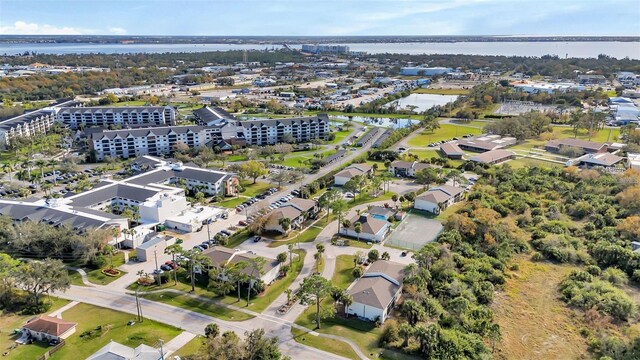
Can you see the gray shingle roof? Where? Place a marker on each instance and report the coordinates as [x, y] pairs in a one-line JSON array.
[[112, 191], [161, 130]]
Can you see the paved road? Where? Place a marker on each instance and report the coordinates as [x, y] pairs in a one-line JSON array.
[[191, 321]]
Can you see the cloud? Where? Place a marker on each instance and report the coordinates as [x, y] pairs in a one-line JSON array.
[[24, 28], [117, 31]]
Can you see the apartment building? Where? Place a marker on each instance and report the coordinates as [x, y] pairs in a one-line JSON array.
[[124, 116], [148, 141], [273, 131], [26, 125]]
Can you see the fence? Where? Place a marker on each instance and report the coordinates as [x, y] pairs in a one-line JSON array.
[[52, 350]]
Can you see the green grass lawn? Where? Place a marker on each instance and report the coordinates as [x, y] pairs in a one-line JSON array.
[[96, 276], [293, 160], [524, 162], [190, 348], [114, 327], [365, 334], [358, 243], [75, 278], [274, 290], [366, 198], [308, 235], [130, 103], [252, 190], [231, 202], [333, 346], [446, 132], [403, 116], [10, 321], [442, 91], [340, 136], [206, 307]]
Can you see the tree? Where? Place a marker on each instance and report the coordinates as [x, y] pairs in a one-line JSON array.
[[195, 260], [413, 312], [385, 256], [174, 250], [327, 199], [373, 255], [199, 197], [42, 277], [8, 266], [318, 287], [426, 176], [357, 272], [346, 301], [282, 257], [339, 208], [290, 248], [406, 331], [221, 278], [394, 197], [357, 227], [212, 330], [254, 169], [285, 223]]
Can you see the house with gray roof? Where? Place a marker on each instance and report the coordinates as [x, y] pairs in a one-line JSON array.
[[439, 198], [116, 351], [376, 292], [372, 228], [222, 256]]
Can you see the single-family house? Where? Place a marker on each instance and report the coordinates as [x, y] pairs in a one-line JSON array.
[[350, 172], [439, 198], [406, 168], [48, 328], [372, 228], [382, 212], [493, 157], [117, 351], [297, 210], [376, 292], [221, 255]]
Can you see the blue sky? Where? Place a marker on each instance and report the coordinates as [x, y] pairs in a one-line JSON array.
[[321, 17]]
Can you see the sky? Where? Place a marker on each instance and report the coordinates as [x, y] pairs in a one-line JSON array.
[[320, 17]]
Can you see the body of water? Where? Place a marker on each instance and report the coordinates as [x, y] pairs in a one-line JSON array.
[[577, 49], [423, 102], [379, 121]]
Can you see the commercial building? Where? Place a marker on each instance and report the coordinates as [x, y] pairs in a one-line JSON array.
[[439, 198], [493, 157], [486, 143], [350, 172], [325, 49], [273, 131], [211, 116], [451, 151], [376, 292], [587, 147], [424, 71], [604, 160], [124, 116]]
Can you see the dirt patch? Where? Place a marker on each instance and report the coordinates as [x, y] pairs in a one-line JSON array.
[[535, 324]]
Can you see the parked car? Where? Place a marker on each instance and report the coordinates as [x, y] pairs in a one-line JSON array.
[[226, 232], [257, 238]]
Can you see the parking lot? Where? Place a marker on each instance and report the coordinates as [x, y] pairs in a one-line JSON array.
[[414, 232]]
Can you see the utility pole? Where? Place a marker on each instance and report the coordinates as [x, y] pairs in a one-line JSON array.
[[161, 349], [155, 255], [208, 230], [139, 308]]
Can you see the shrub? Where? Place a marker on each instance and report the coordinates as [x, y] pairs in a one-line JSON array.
[[594, 270], [615, 276], [390, 333], [537, 257]]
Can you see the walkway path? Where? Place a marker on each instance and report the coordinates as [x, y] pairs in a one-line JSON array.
[[58, 313], [83, 275], [177, 342]]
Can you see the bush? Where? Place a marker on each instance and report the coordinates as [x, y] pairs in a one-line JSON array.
[[594, 270], [99, 262], [615, 276], [537, 257], [390, 333]]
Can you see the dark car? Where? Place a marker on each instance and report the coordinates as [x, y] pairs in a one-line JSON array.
[[166, 267], [204, 245], [226, 232], [257, 238]]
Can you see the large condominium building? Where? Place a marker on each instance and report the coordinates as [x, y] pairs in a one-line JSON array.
[[122, 115], [273, 131], [31, 123], [150, 141]]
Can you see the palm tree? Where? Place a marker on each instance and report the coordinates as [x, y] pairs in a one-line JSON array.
[[7, 168], [41, 164], [346, 301], [290, 248], [220, 278], [285, 223], [317, 256], [174, 250], [357, 227], [288, 292], [405, 330]]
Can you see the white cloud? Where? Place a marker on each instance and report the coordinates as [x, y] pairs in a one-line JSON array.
[[117, 31], [32, 28], [24, 28]]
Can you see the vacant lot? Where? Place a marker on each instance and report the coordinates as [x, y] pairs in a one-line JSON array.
[[534, 323], [414, 232]]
